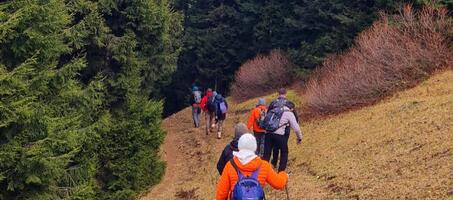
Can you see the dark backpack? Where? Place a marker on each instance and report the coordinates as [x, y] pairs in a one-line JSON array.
[[247, 187], [260, 120], [211, 105], [271, 121]]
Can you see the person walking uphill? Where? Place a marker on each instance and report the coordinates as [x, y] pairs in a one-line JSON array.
[[227, 152], [247, 167], [195, 101], [206, 106], [220, 112], [276, 151], [278, 118], [255, 119]]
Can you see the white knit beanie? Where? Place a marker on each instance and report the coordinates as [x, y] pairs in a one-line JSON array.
[[247, 148], [247, 142]]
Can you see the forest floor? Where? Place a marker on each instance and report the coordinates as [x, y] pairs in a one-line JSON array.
[[401, 147]]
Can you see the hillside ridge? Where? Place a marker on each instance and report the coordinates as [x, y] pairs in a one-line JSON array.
[[401, 147]]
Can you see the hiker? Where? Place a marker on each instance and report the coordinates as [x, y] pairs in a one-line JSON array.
[[255, 119], [221, 110], [275, 150], [195, 101], [278, 118], [227, 152], [246, 163], [208, 106]]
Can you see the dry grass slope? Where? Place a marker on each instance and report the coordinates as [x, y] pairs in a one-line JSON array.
[[399, 148]]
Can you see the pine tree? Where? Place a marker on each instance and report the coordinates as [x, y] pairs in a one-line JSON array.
[[43, 106], [221, 35], [77, 80]]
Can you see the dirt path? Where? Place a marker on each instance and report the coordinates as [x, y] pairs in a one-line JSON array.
[[169, 156], [185, 148], [172, 154], [191, 157]]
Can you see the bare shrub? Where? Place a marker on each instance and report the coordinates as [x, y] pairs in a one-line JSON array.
[[260, 75], [395, 53]]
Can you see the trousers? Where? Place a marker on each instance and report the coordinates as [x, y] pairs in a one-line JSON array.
[[280, 142]]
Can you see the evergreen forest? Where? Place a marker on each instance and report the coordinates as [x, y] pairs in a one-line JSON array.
[[84, 84]]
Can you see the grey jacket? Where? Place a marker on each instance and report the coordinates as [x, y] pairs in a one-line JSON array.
[[289, 119]]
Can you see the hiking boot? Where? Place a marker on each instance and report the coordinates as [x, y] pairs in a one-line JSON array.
[[219, 135]]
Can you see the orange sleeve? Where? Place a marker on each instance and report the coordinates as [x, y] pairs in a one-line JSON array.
[[223, 187], [251, 121], [277, 181]]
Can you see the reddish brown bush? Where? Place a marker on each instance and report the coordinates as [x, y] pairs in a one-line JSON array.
[[260, 75], [395, 53]]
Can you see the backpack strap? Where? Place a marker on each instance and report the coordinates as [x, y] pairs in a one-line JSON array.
[[240, 176], [256, 172], [285, 124]]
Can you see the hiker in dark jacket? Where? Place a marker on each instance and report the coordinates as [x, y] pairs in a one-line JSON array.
[[221, 110], [227, 153]]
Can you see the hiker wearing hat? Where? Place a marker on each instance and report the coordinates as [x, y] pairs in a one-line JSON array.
[[256, 117], [220, 113], [275, 128], [195, 101], [227, 152], [246, 163]]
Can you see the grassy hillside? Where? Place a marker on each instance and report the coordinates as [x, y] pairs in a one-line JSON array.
[[402, 147], [399, 148]]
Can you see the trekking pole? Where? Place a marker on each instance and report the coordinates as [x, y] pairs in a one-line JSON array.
[[286, 187], [287, 193]]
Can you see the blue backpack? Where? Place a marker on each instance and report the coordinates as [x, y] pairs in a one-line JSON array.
[[271, 121], [247, 188]]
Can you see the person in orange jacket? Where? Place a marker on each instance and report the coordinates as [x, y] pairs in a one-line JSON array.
[[247, 162], [253, 124]]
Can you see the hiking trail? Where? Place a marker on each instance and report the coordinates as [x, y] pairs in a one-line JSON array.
[[191, 159], [380, 151]]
